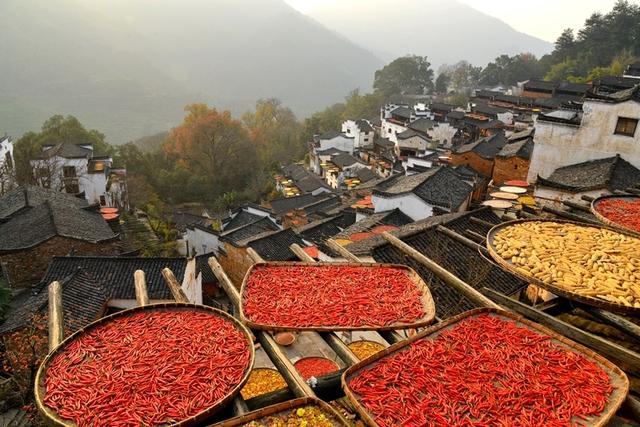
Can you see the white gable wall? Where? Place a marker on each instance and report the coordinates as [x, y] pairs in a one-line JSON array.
[[410, 204]]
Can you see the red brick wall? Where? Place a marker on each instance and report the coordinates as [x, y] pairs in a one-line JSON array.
[[481, 165], [511, 168], [27, 267], [235, 263]]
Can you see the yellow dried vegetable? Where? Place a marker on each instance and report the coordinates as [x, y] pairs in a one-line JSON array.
[[588, 261], [364, 349], [262, 381], [305, 416]]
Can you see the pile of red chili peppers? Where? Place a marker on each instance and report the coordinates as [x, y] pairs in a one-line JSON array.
[[315, 367], [329, 295], [621, 211], [148, 368], [483, 371]]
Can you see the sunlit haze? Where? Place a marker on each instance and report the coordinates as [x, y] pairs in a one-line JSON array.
[[543, 18]]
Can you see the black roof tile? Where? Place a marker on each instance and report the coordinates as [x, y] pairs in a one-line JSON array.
[[243, 232], [274, 246]]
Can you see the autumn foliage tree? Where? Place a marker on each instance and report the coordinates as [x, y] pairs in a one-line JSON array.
[[213, 154]]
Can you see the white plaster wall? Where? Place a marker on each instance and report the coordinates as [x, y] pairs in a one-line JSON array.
[[410, 204], [443, 133], [339, 142], [413, 143], [6, 146], [558, 145], [94, 185], [202, 241], [390, 130]]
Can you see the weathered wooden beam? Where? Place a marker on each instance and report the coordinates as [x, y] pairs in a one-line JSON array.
[[508, 217], [523, 214], [601, 345], [391, 336], [570, 216], [140, 283], [255, 256], [482, 222], [587, 198], [634, 191], [296, 383], [446, 276], [629, 328], [224, 281], [342, 251], [574, 205], [475, 236], [631, 406], [460, 238], [300, 253], [56, 315], [174, 286]]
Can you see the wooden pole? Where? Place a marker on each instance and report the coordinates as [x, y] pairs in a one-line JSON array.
[[578, 206], [342, 251], [140, 282], [481, 222], [633, 191], [475, 237], [472, 294], [296, 383], [460, 238], [601, 345], [587, 198], [573, 217], [174, 286], [255, 256], [56, 315], [300, 253], [614, 320]]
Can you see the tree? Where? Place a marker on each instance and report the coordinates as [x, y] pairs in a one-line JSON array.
[[442, 83], [275, 131], [563, 70], [565, 46], [407, 75], [508, 70], [213, 154], [464, 76]]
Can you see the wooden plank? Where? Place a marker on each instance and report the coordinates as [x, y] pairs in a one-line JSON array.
[[391, 336], [344, 253], [633, 191], [446, 276], [140, 282], [174, 286], [587, 198], [572, 217], [300, 253], [475, 236], [601, 345], [56, 315], [481, 222], [232, 292], [255, 256], [627, 327], [574, 205]]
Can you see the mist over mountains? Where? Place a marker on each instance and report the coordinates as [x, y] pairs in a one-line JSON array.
[[128, 67]]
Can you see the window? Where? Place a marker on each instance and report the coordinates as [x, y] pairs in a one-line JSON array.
[[626, 126], [366, 140], [71, 187], [69, 171], [103, 201]]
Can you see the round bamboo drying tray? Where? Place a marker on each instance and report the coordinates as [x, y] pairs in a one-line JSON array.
[[607, 221], [505, 264], [281, 407], [427, 300], [52, 418], [617, 377], [302, 359], [353, 345]]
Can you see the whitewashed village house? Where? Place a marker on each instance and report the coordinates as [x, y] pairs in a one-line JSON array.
[[7, 176], [361, 131], [76, 168]]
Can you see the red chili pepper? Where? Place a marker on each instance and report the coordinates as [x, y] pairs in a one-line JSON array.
[[315, 367], [482, 371], [621, 211], [331, 296], [147, 368]]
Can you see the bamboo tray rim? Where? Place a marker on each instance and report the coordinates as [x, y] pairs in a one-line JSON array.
[[609, 222], [426, 298], [53, 418], [617, 377], [551, 287], [280, 407]]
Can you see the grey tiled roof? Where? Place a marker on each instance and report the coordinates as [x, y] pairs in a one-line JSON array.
[[243, 232], [365, 175], [305, 180], [522, 148], [343, 160], [66, 150], [422, 124], [364, 126], [487, 147], [410, 133], [393, 217], [283, 205], [613, 173], [35, 225], [402, 111], [242, 218], [445, 189], [84, 300], [30, 195], [274, 246], [116, 274]]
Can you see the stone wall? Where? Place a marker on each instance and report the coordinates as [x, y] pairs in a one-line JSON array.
[[235, 263], [510, 169]]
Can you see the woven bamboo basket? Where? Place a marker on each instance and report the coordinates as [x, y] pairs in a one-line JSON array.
[[426, 299], [375, 343], [617, 377], [317, 358], [604, 219], [505, 264], [53, 419], [281, 407]]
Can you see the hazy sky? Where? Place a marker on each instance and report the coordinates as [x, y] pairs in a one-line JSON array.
[[541, 18]]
